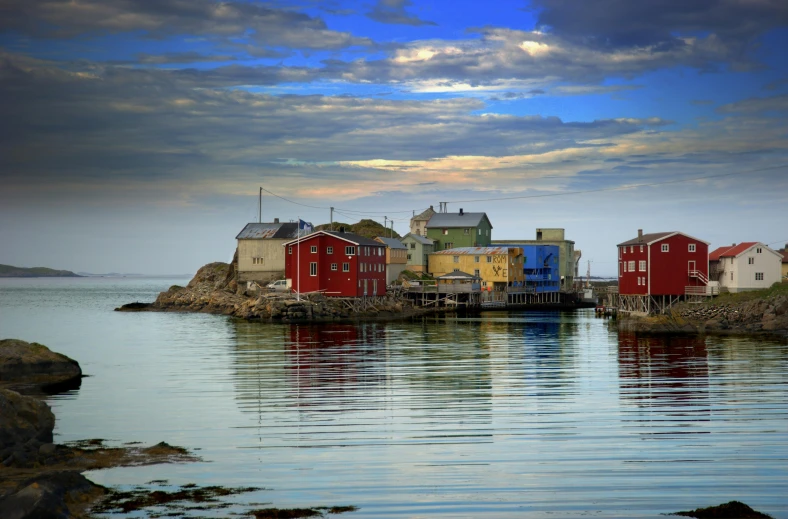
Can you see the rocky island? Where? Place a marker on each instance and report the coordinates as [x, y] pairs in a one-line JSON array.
[[214, 290], [9, 271]]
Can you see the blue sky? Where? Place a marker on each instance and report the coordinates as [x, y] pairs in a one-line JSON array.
[[135, 135]]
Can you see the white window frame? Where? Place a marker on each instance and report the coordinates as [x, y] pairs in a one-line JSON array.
[[290, 250], [625, 266], [632, 266], [350, 250], [642, 266], [691, 247], [313, 268], [334, 267], [751, 261], [665, 247], [313, 249], [456, 259], [346, 267], [757, 278], [329, 250]]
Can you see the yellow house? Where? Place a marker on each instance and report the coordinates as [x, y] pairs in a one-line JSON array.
[[498, 267]]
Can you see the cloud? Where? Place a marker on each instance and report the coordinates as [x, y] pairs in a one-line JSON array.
[[180, 57], [757, 106], [166, 18], [393, 11], [661, 24], [502, 56], [593, 89]]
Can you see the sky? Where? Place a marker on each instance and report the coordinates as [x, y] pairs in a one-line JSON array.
[[135, 135]]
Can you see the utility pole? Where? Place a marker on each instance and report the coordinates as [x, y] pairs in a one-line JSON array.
[[260, 207], [332, 218], [391, 235], [385, 224]]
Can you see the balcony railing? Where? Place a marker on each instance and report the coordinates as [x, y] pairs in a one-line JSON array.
[[697, 274], [702, 291]]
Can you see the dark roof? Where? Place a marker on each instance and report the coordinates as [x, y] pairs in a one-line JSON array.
[[457, 220], [348, 236], [425, 215], [421, 239], [392, 243], [648, 239], [268, 230]]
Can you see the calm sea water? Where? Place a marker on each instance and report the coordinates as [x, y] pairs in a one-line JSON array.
[[525, 415]]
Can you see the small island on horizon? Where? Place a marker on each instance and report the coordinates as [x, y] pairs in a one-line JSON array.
[[9, 271]]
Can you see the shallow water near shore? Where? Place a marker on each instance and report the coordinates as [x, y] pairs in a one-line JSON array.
[[502, 414]]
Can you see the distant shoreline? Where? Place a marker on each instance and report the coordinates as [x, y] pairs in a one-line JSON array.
[[9, 271]]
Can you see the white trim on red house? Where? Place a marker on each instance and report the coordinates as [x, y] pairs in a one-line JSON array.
[[324, 233], [674, 234]]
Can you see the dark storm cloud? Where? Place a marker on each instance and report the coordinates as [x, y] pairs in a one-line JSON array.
[[109, 122], [662, 23], [393, 11], [166, 18]]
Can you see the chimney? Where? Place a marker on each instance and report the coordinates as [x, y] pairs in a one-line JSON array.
[[640, 235], [342, 229], [431, 208], [461, 213], [276, 220], [733, 244]]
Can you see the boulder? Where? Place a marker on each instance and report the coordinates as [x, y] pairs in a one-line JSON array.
[[29, 365], [26, 424], [55, 495]]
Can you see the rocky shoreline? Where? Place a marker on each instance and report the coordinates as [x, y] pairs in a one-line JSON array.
[[741, 314], [214, 290]]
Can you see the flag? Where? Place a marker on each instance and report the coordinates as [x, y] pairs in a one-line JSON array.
[[304, 226]]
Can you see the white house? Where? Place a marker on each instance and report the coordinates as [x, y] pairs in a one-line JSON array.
[[746, 266]]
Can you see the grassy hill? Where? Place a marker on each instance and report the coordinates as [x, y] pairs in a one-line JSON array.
[[367, 228], [9, 271]]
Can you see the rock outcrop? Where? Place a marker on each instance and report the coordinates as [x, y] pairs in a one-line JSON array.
[[51, 495], [29, 366], [26, 424], [756, 316], [214, 290]]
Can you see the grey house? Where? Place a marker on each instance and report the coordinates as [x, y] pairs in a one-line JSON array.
[[419, 248], [261, 255]]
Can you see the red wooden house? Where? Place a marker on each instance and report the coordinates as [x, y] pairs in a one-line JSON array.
[[338, 264], [665, 264]]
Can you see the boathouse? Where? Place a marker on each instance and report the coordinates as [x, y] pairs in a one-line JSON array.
[[657, 270], [396, 257], [261, 258], [498, 267], [337, 264], [453, 230]]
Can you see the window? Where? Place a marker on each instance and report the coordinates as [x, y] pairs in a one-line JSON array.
[[631, 266], [759, 276], [489, 259], [445, 231], [505, 272], [487, 232], [620, 252], [731, 275], [412, 245], [350, 250], [409, 258], [333, 266], [631, 249], [313, 269], [476, 273], [625, 266], [758, 250], [346, 267], [751, 261], [466, 231], [641, 248], [257, 261], [449, 245], [480, 232], [456, 270], [638, 280], [476, 259], [691, 247], [380, 251], [665, 247], [620, 268], [290, 250], [313, 249], [456, 259], [329, 250], [642, 265]]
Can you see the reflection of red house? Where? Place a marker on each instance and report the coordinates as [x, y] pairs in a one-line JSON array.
[[662, 264], [339, 264]]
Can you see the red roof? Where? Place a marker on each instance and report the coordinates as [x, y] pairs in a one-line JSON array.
[[731, 250]]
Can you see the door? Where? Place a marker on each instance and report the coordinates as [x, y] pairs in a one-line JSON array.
[[365, 286], [691, 266], [374, 287]]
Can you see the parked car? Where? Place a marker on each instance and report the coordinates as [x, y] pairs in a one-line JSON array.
[[278, 286]]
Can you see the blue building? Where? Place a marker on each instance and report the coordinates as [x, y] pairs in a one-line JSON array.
[[541, 267]]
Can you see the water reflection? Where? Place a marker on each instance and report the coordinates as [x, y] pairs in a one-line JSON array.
[[663, 371]]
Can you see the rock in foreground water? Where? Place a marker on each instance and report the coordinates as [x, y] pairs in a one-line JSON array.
[[26, 424], [30, 366]]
